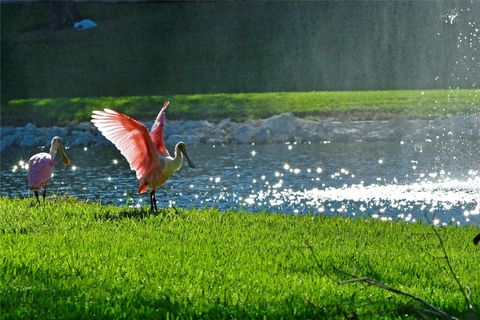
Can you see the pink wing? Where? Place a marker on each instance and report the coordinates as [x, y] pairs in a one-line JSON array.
[[157, 131], [40, 169], [130, 137]]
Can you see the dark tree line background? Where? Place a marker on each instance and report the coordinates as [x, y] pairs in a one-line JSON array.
[[142, 48]]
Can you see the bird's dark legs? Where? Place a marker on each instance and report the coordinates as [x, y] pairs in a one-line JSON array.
[[36, 195], [44, 193], [153, 201]]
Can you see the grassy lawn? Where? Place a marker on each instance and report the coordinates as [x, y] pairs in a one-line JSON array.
[[70, 259], [342, 105]]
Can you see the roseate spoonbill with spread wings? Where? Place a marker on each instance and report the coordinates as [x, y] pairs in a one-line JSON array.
[[41, 165], [145, 151]]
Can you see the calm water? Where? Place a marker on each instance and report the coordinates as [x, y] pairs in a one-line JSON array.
[[389, 181]]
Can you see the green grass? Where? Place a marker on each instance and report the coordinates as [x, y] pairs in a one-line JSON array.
[[359, 105], [70, 259]]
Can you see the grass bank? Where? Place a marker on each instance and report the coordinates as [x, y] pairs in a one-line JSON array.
[[70, 259], [340, 105]]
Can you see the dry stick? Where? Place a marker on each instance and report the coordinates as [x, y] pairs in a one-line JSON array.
[[381, 285], [447, 259]]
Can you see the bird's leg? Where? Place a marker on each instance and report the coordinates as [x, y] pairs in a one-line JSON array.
[[36, 195], [153, 201], [44, 193]]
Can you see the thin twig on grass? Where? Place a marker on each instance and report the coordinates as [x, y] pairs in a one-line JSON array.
[[454, 275], [354, 278]]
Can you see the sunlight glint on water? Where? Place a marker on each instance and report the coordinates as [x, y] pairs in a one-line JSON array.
[[388, 181]]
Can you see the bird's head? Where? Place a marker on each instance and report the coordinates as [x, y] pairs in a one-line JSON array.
[[57, 144], [183, 149], [56, 141]]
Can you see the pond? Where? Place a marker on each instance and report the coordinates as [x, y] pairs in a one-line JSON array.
[[383, 180]]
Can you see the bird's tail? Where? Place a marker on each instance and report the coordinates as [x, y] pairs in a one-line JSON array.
[[143, 187]]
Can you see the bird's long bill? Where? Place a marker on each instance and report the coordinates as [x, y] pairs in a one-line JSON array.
[[190, 163], [65, 159]]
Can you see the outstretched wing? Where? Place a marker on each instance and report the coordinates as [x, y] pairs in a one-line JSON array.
[[129, 136], [157, 131]]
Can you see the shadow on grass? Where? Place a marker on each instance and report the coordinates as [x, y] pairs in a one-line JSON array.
[[140, 214], [49, 294]]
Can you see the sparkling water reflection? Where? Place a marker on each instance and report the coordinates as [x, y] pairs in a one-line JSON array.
[[388, 181]]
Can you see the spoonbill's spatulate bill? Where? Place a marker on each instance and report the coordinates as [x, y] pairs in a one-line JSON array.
[[145, 151], [41, 165]]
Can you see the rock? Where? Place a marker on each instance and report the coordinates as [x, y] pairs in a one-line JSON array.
[[285, 127], [8, 141], [5, 131], [284, 124], [380, 135], [189, 125], [56, 131], [214, 141], [80, 138], [30, 127], [224, 124], [201, 128], [19, 131], [346, 134], [280, 128], [187, 139], [103, 143], [261, 136], [172, 127], [244, 134], [86, 127], [30, 140]]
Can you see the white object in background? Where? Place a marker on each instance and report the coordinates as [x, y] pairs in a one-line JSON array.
[[85, 24]]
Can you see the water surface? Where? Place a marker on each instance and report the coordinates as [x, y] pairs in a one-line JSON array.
[[388, 180]]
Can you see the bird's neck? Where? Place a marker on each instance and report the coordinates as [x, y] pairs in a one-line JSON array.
[[53, 151], [177, 159]]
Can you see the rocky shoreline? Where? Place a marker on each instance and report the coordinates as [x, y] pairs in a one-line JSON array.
[[277, 129]]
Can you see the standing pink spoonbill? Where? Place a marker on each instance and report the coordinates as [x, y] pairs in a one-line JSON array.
[[145, 151], [41, 165]]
